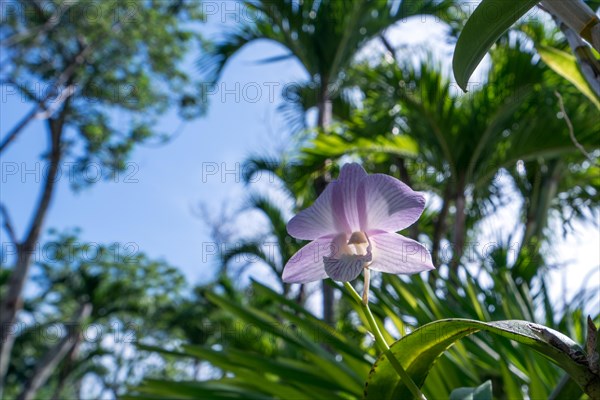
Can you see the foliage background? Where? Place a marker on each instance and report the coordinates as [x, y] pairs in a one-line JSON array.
[[175, 210]]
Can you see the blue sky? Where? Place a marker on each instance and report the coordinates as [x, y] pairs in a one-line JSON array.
[[153, 205]]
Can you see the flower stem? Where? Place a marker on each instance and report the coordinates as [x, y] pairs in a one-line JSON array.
[[383, 346], [365, 297]]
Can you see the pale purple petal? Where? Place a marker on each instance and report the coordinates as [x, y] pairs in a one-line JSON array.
[[317, 220], [343, 264], [307, 264], [345, 193], [396, 254], [345, 269], [386, 204]]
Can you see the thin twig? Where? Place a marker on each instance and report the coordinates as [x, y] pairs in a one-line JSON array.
[[571, 130], [8, 226], [388, 46]]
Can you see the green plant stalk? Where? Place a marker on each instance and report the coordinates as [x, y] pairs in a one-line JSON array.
[[383, 346]]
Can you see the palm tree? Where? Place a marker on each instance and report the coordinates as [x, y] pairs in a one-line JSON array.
[[324, 36], [76, 287], [468, 139]]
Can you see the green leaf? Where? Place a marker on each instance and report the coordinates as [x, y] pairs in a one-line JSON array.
[[566, 66], [337, 146], [418, 351], [278, 377], [489, 21], [566, 389], [339, 372], [213, 390], [482, 392]]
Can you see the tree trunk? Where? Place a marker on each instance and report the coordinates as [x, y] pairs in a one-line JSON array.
[[54, 356], [439, 228], [323, 121], [12, 303], [460, 228], [325, 110], [66, 370], [61, 384], [301, 296], [544, 192], [405, 177], [537, 213]]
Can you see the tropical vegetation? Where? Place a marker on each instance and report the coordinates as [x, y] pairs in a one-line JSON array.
[[524, 142]]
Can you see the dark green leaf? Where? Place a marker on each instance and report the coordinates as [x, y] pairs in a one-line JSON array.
[[418, 351], [488, 22]]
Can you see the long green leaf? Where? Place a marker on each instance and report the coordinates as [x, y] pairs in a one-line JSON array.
[[488, 22], [565, 65], [482, 392], [210, 390], [307, 322], [338, 371], [336, 146], [566, 389], [418, 351]]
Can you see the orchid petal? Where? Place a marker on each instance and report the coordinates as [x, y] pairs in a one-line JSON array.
[[307, 264], [344, 196], [345, 269], [396, 254], [386, 204], [317, 220]]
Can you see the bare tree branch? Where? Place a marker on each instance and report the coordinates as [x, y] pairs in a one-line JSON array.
[[8, 226], [61, 98], [11, 303], [42, 29], [388, 46], [24, 90], [64, 77], [19, 127]]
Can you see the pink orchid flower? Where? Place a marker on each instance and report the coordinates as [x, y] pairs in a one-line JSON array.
[[353, 226]]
